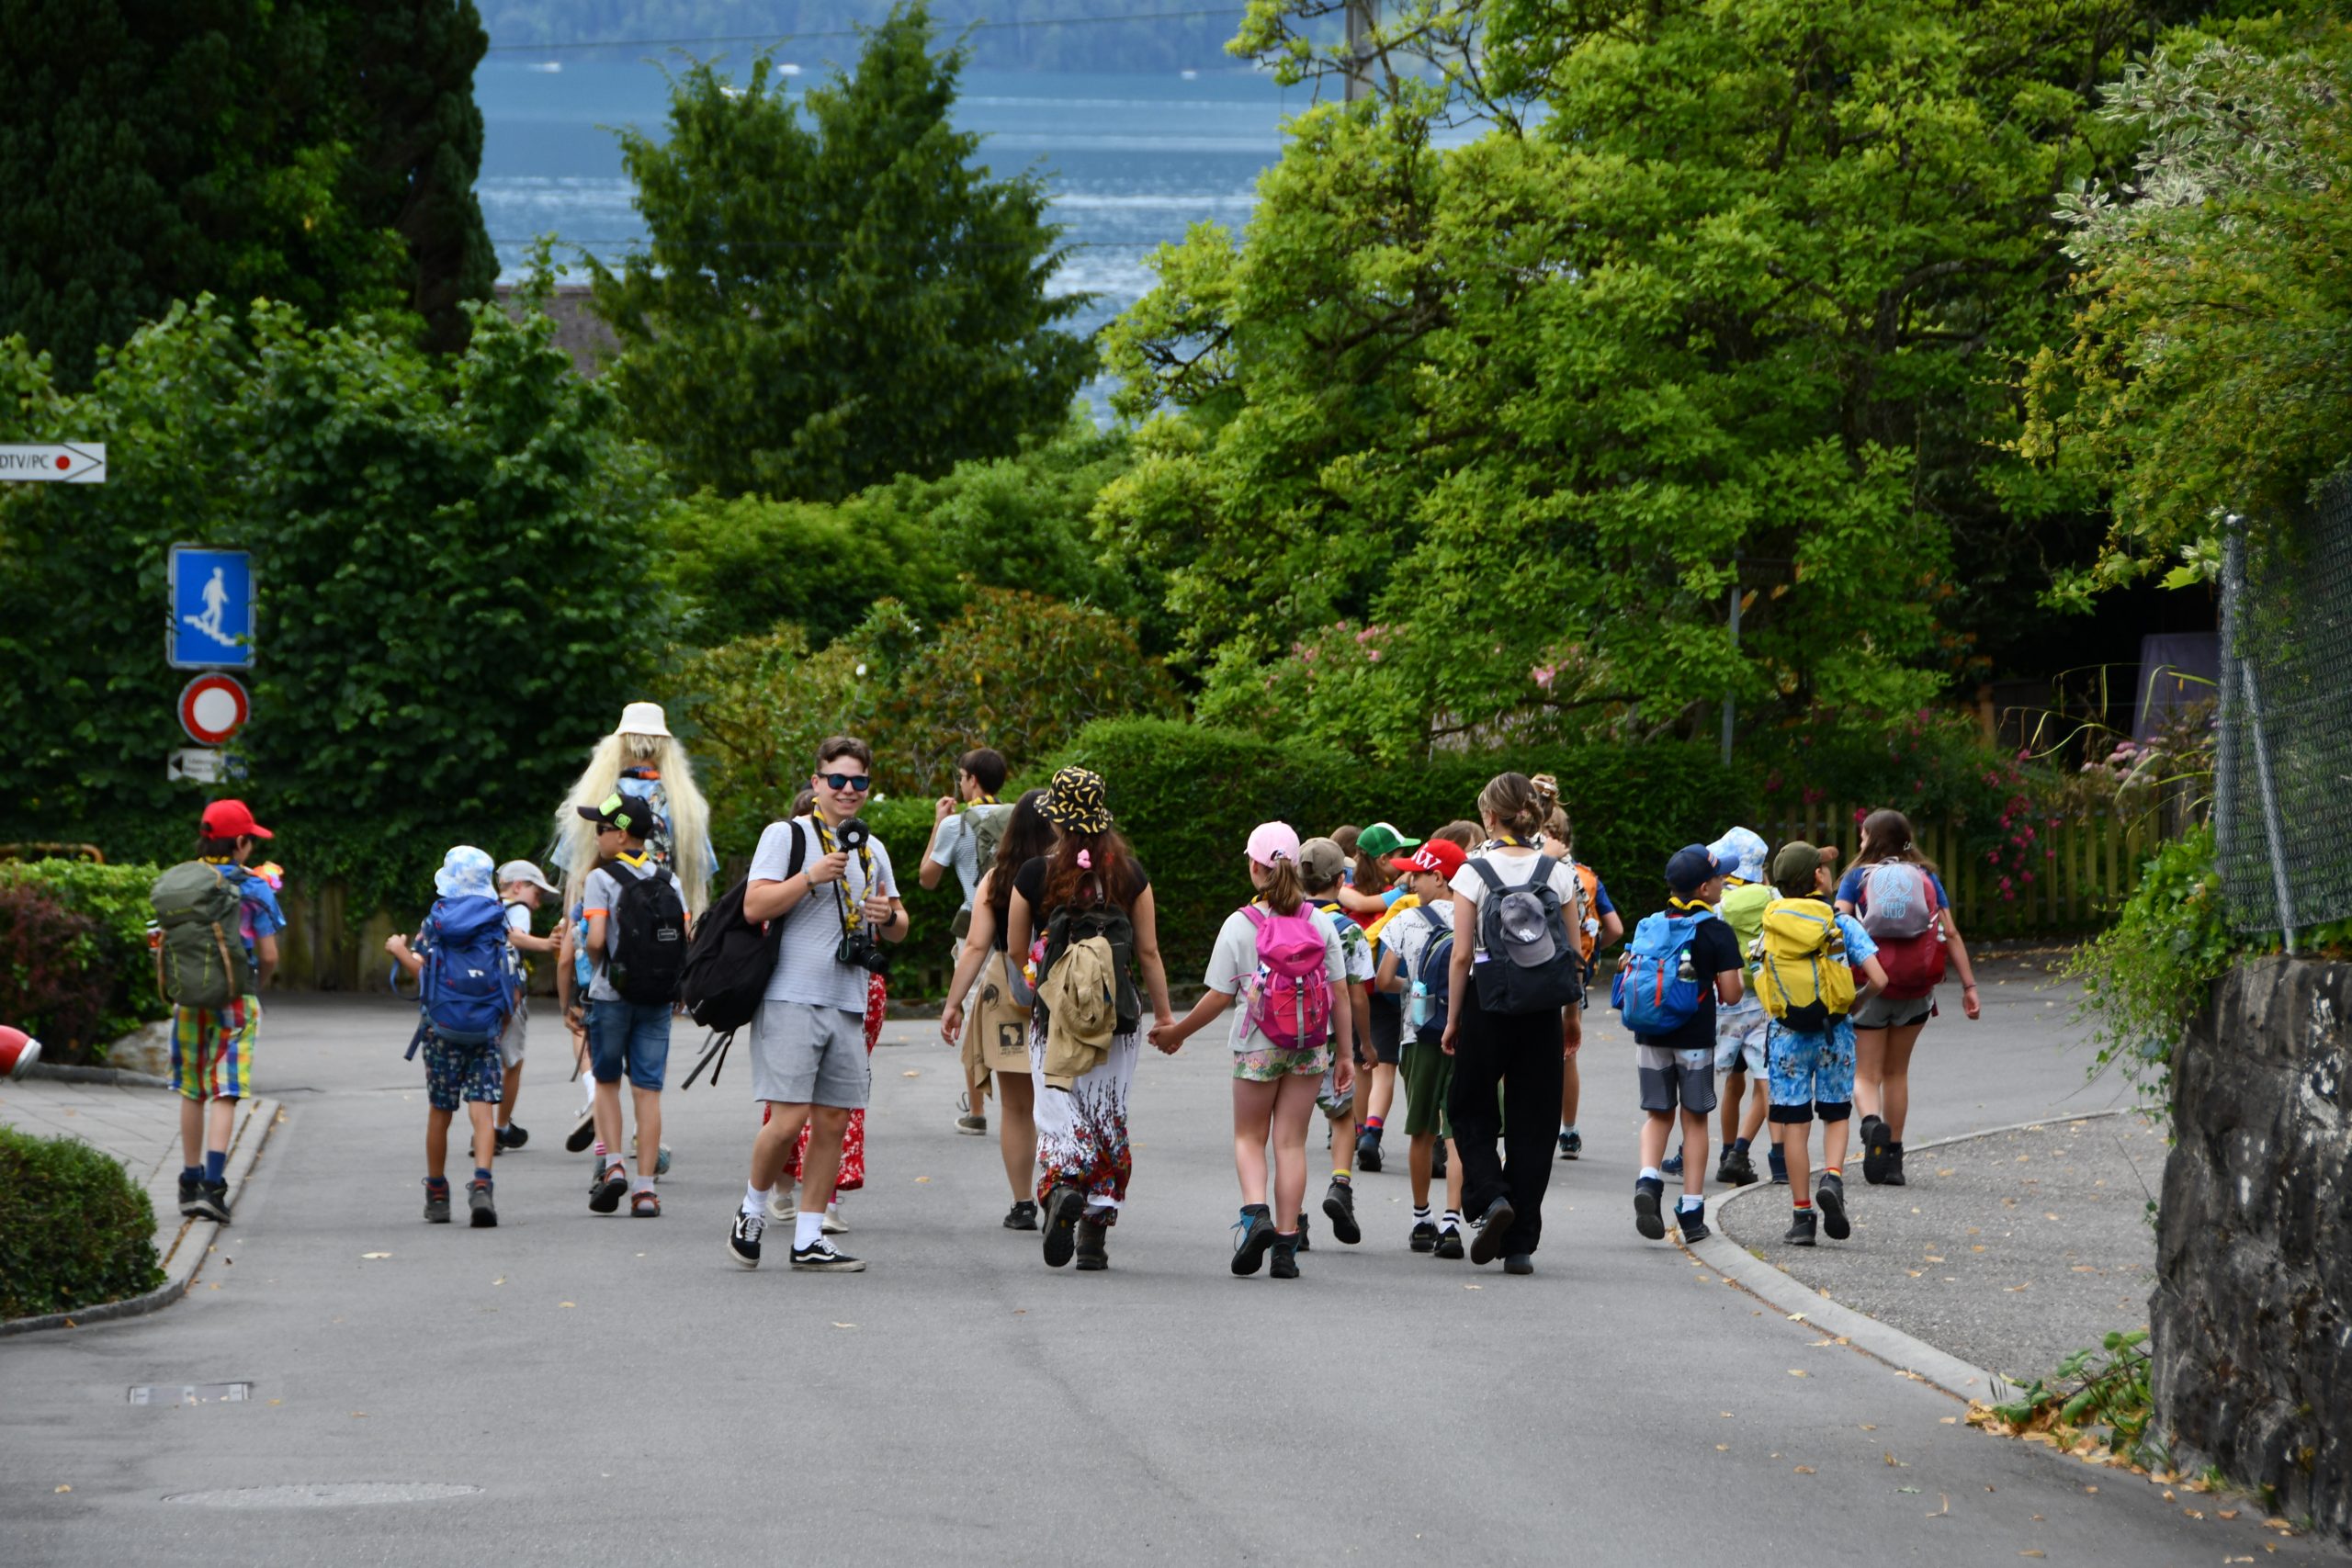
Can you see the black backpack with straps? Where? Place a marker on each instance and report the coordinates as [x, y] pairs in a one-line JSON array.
[[729, 962], [647, 936]]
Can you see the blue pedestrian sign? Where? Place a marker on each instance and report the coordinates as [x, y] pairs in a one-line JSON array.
[[213, 608]]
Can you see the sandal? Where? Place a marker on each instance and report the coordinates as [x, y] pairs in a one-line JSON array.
[[646, 1205]]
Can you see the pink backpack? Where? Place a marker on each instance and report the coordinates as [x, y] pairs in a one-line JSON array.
[[1291, 1004]]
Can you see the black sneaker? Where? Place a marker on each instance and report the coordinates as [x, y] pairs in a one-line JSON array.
[[1829, 1196], [436, 1202], [191, 1193], [1800, 1230], [212, 1201], [1874, 1142], [1737, 1169], [1022, 1217], [1693, 1223], [512, 1137], [485, 1212], [1339, 1207], [1302, 1232], [1285, 1263], [1449, 1242], [1093, 1256], [1424, 1237], [821, 1256], [1571, 1143], [1519, 1263], [1488, 1245], [743, 1241], [1256, 1228], [1893, 1177], [1367, 1154], [1063, 1206], [605, 1197], [583, 1134], [1648, 1192]]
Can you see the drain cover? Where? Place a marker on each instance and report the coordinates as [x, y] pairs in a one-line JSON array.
[[189, 1393], [325, 1494]]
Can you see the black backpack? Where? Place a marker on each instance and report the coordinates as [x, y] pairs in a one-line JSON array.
[[646, 936], [730, 961], [1075, 922]]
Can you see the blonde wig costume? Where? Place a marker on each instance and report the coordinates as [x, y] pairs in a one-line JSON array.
[[643, 741]]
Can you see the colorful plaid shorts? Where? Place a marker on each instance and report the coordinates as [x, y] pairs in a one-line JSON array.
[[453, 1073], [212, 1049]]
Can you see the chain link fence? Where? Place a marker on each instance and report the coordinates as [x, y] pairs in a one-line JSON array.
[[2282, 806]]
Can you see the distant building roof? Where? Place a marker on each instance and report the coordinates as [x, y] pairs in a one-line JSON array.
[[578, 330]]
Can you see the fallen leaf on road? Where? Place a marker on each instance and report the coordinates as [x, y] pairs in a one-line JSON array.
[[1723, 1448], [1870, 1426], [1912, 1490], [1939, 1513], [375, 1255], [2193, 1513], [1805, 1470], [1726, 1414], [566, 1303], [2090, 1488], [1796, 1317], [1951, 1420], [920, 1180], [360, 1415], [910, 1072], [1474, 1287], [1894, 1462], [1799, 1372], [2031, 1551], [277, 1401], [502, 1279], [845, 1325], [2227, 1514], [65, 1489]]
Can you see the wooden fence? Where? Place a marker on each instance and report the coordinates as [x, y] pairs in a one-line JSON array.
[[2067, 878]]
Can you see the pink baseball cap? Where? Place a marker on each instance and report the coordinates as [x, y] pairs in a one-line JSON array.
[[1271, 841]]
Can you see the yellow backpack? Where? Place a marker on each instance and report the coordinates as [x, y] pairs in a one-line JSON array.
[[1802, 975]]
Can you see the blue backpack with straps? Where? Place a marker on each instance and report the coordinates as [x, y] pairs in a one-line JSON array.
[[1649, 991], [1433, 978], [469, 987]]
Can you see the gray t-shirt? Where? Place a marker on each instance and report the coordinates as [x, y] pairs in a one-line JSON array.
[[955, 848], [598, 894], [806, 969]]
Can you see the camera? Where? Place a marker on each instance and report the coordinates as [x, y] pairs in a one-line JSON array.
[[862, 952], [853, 835]]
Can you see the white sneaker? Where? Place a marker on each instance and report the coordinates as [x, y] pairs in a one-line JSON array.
[[783, 1203], [834, 1223]]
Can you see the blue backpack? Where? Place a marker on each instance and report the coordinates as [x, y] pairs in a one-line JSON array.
[[469, 987], [1434, 980], [1649, 992]]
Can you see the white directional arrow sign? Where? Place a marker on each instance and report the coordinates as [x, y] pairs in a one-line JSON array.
[[81, 463]]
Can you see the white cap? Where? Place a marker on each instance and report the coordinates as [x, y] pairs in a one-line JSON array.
[[642, 719], [515, 871]]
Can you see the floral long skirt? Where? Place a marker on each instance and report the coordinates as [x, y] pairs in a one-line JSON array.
[[1083, 1130], [853, 1171]]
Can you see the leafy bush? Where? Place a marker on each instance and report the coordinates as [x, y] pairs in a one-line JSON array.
[[111, 957], [75, 1231], [2092, 1401], [48, 986]]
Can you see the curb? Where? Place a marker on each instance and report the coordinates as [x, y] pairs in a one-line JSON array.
[[64, 1072], [187, 1249], [1912, 1357]]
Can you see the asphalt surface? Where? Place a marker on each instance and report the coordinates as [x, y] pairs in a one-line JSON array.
[[616, 1391], [2012, 1251]]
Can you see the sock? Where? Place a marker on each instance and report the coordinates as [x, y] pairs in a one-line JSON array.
[[191, 1173], [755, 1200], [1452, 1221], [644, 1182], [216, 1165], [600, 1151], [1740, 1144], [807, 1229], [1420, 1213], [1340, 1175], [1373, 1124], [1837, 1170], [1690, 1200], [1570, 1128], [481, 1176], [436, 1184], [1803, 1205], [1652, 1173]]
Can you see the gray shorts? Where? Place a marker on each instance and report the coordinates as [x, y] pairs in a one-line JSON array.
[[806, 1055], [1672, 1079], [1875, 1012], [510, 1045]]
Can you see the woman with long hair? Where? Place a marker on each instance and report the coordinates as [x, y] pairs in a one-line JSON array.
[[1082, 1154], [640, 756], [1893, 890], [996, 1039]]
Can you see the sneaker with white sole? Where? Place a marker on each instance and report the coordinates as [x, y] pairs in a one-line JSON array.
[[743, 1240], [783, 1203], [834, 1223], [583, 1132], [821, 1256]]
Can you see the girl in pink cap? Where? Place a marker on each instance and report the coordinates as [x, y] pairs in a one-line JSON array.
[[1288, 966]]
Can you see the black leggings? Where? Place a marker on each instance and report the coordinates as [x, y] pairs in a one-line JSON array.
[[1519, 1057]]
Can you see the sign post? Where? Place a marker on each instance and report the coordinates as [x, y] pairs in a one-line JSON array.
[[74, 463]]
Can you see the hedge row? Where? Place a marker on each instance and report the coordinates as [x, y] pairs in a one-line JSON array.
[[75, 1231], [105, 952]]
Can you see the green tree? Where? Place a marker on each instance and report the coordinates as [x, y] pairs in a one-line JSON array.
[[449, 551], [829, 302], [1739, 307]]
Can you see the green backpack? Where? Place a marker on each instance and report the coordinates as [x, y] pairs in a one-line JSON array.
[[200, 962], [986, 825]]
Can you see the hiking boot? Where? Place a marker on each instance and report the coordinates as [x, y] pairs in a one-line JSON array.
[[1488, 1245], [1648, 1192], [1829, 1196], [436, 1202], [1092, 1256], [1693, 1223], [1800, 1230], [485, 1212], [1779, 1167], [512, 1137], [1449, 1242], [1022, 1217], [1519, 1263], [1063, 1206], [191, 1193], [821, 1256], [1302, 1232], [1737, 1169], [1672, 1164], [583, 1132], [212, 1201], [1893, 1177], [743, 1240], [605, 1197], [1339, 1207], [1367, 1154], [1571, 1143], [1285, 1263], [1256, 1228], [1424, 1237], [1874, 1142]]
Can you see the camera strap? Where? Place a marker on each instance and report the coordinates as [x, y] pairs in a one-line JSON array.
[[850, 917]]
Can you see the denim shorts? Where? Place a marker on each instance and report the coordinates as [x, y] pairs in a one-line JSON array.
[[1813, 1074], [631, 1037]]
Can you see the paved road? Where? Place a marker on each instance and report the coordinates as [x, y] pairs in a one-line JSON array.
[[619, 1393]]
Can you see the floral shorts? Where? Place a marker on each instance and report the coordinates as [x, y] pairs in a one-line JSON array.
[[1273, 1064], [1812, 1074], [453, 1073]]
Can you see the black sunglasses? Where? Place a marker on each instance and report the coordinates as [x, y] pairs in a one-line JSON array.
[[857, 782]]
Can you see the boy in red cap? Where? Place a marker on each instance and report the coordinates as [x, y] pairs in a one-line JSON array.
[[1428, 874], [212, 1048]]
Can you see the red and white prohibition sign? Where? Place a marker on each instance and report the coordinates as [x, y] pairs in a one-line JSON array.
[[213, 707]]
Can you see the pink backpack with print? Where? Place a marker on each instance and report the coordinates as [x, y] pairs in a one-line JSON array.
[[1291, 1004]]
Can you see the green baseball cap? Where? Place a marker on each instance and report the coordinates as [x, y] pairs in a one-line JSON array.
[[1382, 839]]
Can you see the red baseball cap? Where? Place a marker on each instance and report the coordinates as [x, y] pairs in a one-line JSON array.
[[231, 819], [1442, 856]]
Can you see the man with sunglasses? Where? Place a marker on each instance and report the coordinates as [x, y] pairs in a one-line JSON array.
[[808, 1058]]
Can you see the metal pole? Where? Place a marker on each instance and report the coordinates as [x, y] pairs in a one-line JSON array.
[[1728, 714], [1361, 18], [2233, 566]]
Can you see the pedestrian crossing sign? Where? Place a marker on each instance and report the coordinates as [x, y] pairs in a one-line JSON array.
[[213, 608]]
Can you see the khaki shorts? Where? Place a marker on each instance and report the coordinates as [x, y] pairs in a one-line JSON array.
[[996, 1029]]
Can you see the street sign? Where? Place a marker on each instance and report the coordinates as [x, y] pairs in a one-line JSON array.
[[212, 708], [81, 463], [196, 765], [213, 608]]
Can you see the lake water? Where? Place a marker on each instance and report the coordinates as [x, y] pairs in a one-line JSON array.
[[1131, 160]]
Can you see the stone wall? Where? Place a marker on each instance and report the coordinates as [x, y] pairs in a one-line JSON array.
[[2253, 1310]]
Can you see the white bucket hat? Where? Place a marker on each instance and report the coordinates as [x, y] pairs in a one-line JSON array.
[[642, 719]]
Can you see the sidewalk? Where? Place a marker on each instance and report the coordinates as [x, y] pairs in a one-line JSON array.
[[2010, 1250]]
